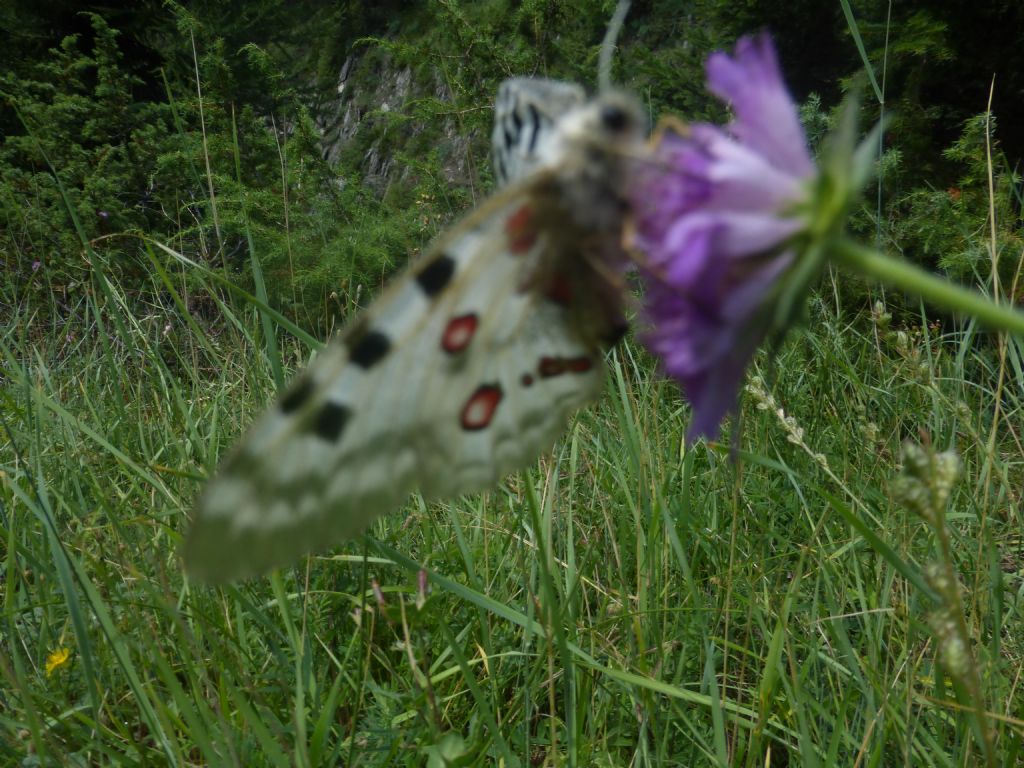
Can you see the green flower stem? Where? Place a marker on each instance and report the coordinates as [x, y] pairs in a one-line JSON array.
[[934, 290]]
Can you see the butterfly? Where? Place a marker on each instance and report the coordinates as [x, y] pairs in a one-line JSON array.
[[466, 368]]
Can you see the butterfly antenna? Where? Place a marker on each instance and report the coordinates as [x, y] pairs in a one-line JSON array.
[[604, 61]]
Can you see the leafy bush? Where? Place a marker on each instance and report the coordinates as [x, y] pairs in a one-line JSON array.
[[950, 227], [83, 128]]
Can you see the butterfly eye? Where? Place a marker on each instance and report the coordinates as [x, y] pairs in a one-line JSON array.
[[614, 117]]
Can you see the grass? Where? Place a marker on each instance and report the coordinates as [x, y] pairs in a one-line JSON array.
[[631, 600]]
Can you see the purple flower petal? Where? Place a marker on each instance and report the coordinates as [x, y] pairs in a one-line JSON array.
[[743, 179], [714, 213], [766, 118]]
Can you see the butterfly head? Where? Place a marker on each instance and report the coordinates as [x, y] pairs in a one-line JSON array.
[[610, 122]]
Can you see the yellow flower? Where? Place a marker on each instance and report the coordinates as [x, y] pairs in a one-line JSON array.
[[57, 659]]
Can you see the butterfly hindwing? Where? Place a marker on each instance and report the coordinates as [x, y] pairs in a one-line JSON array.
[[526, 115], [456, 376]]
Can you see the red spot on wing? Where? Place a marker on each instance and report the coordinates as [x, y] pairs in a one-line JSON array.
[[522, 233], [479, 410], [556, 366], [551, 366], [526, 380], [458, 333], [560, 289], [579, 364], [519, 220]]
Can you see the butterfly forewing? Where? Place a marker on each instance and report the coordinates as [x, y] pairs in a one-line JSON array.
[[464, 370]]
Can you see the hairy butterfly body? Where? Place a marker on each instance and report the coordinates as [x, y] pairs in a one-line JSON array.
[[465, 369]]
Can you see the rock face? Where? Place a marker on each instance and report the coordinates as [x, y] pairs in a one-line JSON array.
[[374, 101]]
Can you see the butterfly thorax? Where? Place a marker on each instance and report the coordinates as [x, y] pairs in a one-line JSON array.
[[580, 205], [594, 144]]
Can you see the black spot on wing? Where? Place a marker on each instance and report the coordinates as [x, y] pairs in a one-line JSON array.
[[331, 421], [369, 348], [297, 394], [615, 333], [535, 125], [436, 275]]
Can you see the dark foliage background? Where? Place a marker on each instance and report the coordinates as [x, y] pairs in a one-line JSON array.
[[107, 99]]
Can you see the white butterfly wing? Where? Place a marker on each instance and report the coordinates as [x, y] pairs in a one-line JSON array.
[[461, 373], [526, 115]]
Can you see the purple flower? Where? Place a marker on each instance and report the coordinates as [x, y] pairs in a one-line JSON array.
[[717, 211]]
